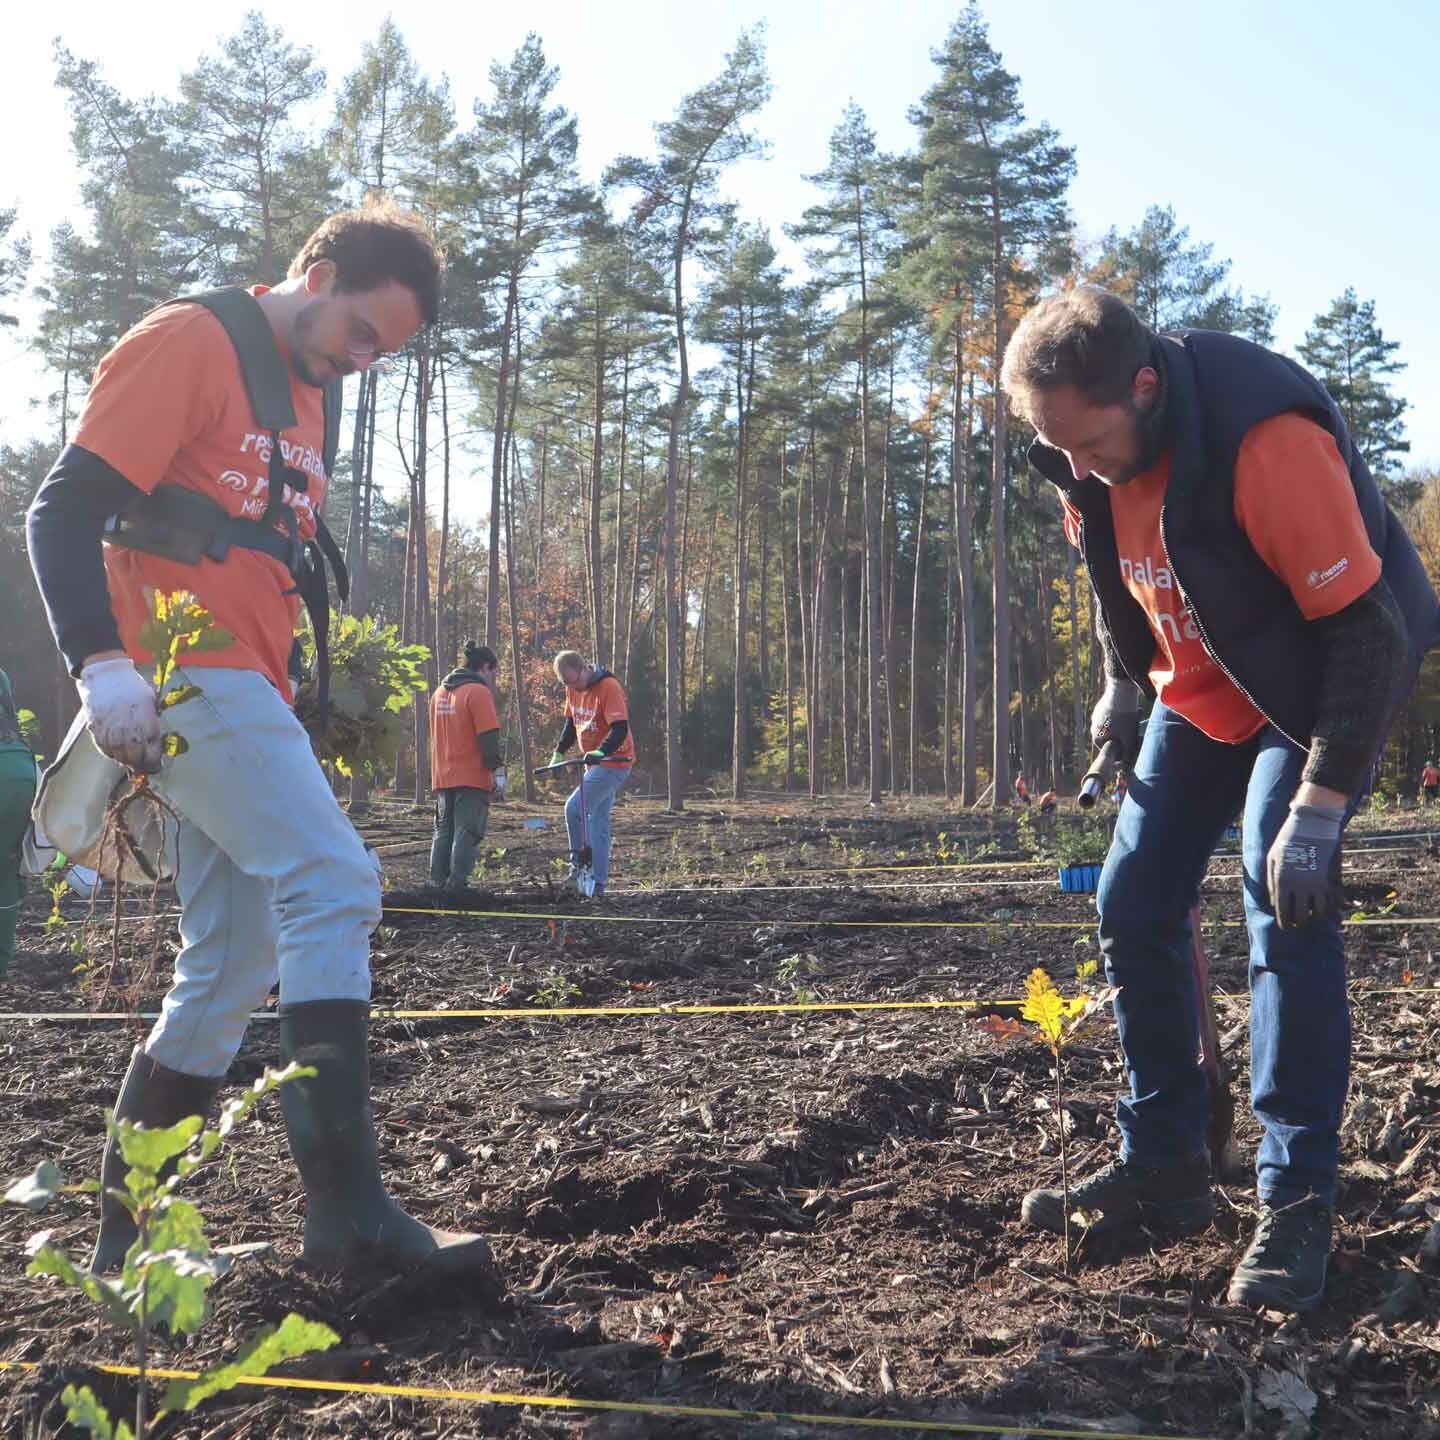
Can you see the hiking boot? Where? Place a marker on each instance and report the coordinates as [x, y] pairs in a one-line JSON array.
[[351, 1224], [1284, 1268], [1126, 1193], [156, 1097]]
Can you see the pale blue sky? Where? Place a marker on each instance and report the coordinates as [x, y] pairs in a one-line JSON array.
[[1296, 136]]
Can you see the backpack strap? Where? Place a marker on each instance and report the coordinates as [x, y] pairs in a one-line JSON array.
[[266, 377]]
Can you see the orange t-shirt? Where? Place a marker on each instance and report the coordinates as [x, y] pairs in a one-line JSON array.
[[168, 407], [1296, 504], [458, 718], [1430, 776], [594, 710]]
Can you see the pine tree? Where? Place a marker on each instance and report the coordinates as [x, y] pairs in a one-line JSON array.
[[743, 308], [677, 194], [1350, 356], [1171, 281], [850, 226], [260, 183], [1012, 179], [519, 167], [14, 263]]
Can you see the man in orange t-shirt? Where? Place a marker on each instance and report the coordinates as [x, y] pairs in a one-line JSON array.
[[274, 882], [465, 765], [1249, 575], [597, 717], [1430, 781]]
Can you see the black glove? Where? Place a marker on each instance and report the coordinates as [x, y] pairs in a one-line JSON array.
[[1116, 716], [1302, 869]]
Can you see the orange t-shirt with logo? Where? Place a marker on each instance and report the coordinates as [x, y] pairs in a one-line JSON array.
[[1296, 504], [594, 710], [168, 407], [458, 718]]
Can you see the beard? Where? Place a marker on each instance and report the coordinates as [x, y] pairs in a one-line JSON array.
[[303, 360]]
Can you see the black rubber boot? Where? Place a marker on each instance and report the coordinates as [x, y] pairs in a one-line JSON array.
[[157, 1098], [1284, 1268], [1126, 1194], [351, 1223]]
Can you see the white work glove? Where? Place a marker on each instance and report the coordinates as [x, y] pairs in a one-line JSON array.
[[499, 791], [121, 712]]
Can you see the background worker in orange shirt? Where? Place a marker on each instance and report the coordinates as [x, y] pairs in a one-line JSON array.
[[1430, 782], [465, 765], [597, 715]]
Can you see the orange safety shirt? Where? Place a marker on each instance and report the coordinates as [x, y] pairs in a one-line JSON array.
[[458, 718], [594, 710], [1320, 550], [168, 407]]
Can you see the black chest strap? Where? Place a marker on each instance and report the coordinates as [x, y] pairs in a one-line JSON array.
[[187, 527]]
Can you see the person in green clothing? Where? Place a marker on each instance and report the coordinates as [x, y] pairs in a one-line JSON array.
[[17, 791]]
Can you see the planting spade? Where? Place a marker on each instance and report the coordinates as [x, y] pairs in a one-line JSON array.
[[584, 857]]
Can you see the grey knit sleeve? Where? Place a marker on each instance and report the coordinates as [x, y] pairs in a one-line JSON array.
[[1361, 669]]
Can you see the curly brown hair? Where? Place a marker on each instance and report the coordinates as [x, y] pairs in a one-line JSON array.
[[377, 243]]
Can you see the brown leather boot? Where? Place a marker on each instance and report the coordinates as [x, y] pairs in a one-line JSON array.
[[351, 1223], [156, 1097]]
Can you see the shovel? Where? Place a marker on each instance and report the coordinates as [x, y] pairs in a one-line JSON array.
[[584, 857]]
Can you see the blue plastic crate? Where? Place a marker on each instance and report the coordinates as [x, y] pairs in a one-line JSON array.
[[1079, 879]]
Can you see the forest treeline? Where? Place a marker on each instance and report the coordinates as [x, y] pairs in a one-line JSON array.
[[784, 507]]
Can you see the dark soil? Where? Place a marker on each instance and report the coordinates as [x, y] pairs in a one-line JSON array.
[[809, 1211]]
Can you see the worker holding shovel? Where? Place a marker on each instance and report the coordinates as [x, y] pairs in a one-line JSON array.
[[597, 718], [1249, 577]]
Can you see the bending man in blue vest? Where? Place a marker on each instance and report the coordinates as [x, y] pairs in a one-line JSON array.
[[1252, 581], [273, 880]]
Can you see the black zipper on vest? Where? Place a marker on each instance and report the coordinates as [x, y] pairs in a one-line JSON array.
[[1205, 639]]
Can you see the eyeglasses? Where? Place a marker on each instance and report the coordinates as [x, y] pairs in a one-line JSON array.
[[363, 346]]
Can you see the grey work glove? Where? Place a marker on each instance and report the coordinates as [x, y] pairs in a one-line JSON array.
[[498, 793], [1116, 716], [1302, 870]]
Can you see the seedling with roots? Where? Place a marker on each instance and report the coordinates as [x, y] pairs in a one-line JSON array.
[[1058, 1021], [168, 1269]]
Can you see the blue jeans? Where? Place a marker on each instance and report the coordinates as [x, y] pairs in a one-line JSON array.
[[602, 784], [1185, 789]]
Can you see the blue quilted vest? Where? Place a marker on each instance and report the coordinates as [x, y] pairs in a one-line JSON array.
[[1217, 387]]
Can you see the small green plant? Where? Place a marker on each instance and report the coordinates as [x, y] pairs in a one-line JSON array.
[[795, 968], [56, 920], [1058, 1021], [179, 625], [169, 1269], [757, 867], [1392, 899], [556, 991], [374, 679], [946, 851], [1079, 842], [29, 727]]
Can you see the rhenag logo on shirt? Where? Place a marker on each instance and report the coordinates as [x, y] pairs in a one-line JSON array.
[[1319, 579]]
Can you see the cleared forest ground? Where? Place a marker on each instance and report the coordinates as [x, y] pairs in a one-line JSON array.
[[810, 1211]]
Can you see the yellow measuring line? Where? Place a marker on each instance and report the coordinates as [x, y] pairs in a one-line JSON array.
[[630, 1407], [739, 1008]]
